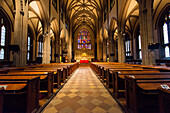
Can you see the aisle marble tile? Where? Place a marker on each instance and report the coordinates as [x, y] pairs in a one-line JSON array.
[[83, 93]]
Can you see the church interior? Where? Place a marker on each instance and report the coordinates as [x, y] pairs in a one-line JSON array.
[[85, 56]]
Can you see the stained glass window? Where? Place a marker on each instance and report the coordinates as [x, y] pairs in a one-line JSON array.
[[2, 53], [5, 35], [166, 33], [84, 39], [30, 45], [3, 32], [128, 49], [28, 48], [139, 43], [40, 47]]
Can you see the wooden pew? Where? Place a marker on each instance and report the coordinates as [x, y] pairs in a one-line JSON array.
[[164, 99], [46, 80], [110, 72], [21, 96], [104, 68], [1, 99], [57, 74], [118, 80], [142, 93]]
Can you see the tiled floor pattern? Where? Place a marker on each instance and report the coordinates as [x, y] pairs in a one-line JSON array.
[[83, 93]]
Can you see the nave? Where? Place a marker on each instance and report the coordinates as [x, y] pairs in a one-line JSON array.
[[83, 93]]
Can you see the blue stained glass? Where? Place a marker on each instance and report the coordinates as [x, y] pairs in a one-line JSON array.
[[84, 39], [2, 54], [86, 46], [140, 55], [3, 32], [167, 51], [28, 56], [89, 46], [165, 32]]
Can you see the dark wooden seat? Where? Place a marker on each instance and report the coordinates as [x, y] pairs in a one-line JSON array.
[[1, 99], [57, 74], [142, 93], [118, 80], [46, 80], [164, 100], [104, 75], [21, 96], [110, 72], [16, 79]]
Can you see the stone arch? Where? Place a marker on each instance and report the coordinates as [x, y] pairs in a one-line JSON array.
[[2, 10]]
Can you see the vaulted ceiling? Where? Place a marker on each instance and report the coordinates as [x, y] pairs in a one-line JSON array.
[[83, 12], [35, 17]]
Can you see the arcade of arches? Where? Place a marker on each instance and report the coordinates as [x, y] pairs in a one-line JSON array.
[[73, 30]]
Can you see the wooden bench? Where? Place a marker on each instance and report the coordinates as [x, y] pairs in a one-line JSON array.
[[64, 70], [118, 80], [46, 80], [57, 74], [164, 99], [142, 93], [1, 99], [103, 70], [21, 96], [110, 72]]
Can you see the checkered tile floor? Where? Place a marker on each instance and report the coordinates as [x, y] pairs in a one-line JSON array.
[[83, 93]]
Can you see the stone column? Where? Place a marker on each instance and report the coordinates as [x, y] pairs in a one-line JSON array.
[[114, 50], [121, 48], [146, 31], [34, 49], [69, 44], [101, 48], [98, 44], [57, 50], [134, 48], [104, 50], [111, 44], [20, 32], [46, 46]]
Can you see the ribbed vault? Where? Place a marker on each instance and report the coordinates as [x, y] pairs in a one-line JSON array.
[[83, 12]]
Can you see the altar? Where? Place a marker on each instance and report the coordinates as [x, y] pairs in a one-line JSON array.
[[84, 61]]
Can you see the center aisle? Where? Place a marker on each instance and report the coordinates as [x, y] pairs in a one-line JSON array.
[[83, 93]]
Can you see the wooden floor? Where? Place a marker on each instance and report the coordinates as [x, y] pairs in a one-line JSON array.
[[83, 93]]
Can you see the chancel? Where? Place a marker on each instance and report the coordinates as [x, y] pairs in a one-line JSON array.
[[84, 56]]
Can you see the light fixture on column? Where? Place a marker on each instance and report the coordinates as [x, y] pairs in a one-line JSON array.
[[45, 35], [106, 33], [115, 35], [62, 34], [121, 32]]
